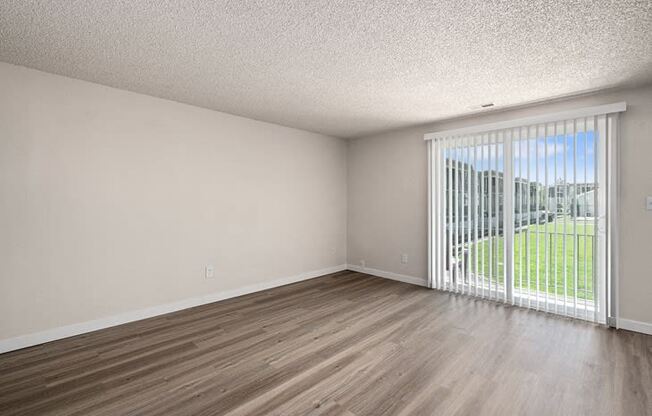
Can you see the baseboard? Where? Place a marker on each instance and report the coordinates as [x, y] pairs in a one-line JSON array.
[[37, 338], [389, 275], [636, 326]]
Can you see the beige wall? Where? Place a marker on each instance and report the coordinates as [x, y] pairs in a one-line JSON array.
[[112, 201], [388, 187]]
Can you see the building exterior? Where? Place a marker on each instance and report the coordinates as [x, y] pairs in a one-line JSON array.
[[585, 204], [562, 195]]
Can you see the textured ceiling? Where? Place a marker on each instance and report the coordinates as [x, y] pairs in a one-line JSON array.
[[344, 68]]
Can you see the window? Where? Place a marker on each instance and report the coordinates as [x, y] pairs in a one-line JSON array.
[[524, 212]]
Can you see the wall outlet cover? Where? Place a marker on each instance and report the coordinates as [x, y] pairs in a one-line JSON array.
[[210, 271]]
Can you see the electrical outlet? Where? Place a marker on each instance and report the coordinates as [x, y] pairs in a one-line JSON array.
[[210, 271], [363, 264], [404, 258]]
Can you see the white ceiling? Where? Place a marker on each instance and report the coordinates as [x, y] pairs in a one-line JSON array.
[[344, 68]]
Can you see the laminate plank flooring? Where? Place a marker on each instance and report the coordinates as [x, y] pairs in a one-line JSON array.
[[342, 344]]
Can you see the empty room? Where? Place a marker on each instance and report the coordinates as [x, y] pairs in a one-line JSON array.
[[319, 208]]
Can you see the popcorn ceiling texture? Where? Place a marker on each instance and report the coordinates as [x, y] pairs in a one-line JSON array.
[[343, 68]]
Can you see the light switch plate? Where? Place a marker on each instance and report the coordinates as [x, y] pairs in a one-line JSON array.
[[648, 203]]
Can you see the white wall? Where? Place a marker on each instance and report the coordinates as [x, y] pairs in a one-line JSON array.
[[388, 189], [112, 201]]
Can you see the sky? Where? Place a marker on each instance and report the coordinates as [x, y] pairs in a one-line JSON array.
[[541, 160]]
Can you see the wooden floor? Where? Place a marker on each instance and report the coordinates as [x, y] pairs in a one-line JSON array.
[[343, 344]]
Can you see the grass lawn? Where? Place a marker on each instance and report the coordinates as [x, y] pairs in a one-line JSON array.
[[550, 239]]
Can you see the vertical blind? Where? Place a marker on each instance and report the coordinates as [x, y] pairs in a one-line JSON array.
[[523, 212]]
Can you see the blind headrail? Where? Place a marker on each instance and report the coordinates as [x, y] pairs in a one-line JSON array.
[[528, 121]]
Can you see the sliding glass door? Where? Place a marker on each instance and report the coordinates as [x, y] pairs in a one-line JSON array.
[[555, 201], [519, 213], [473, 221]]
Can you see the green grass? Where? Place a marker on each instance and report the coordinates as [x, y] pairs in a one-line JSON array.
[[526, 264]]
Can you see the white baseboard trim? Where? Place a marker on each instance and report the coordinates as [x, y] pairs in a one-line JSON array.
[[53, 334], [389, 275], [636, 326]]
